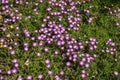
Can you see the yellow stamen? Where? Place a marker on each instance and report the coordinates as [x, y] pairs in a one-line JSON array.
[[11, 26], [1, 46]]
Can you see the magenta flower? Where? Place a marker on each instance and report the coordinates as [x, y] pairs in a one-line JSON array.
[[116, 73], [14, 71], [40, 76], [68, 64], [46, 49], [47, 61], [83, 76], [12, 52], [19, 78], [29, 77]]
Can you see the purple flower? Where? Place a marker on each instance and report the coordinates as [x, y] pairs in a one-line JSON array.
[[83, 59], [1, 77], [14, 61], [16, 65], [116, 73], [40, 76], [81, 63], [12, 52], [46, 50], [83, 72], [117, 24], [25, 48], [47, 61], [87, 65], [83, 76], [38, 54], [50, 72], [0, 70], [56, 52], [19, 78], [14, 71], [9, 72], [34, 44], [29, 77], [62, 73], [68, 64]]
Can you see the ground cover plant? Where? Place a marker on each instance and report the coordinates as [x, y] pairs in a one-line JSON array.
[[59, 40]]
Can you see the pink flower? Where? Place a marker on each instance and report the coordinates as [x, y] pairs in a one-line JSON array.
[[116, 73], [83, 75]]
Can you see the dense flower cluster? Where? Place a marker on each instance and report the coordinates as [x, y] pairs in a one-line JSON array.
[[51, 32]]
